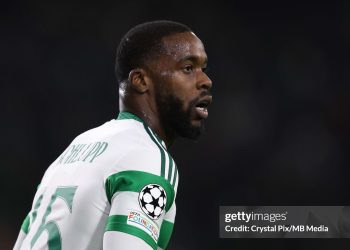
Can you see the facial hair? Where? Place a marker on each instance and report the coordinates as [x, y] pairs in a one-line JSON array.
[[173, 117]]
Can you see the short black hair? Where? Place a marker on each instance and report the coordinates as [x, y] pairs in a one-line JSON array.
[[141, 43]]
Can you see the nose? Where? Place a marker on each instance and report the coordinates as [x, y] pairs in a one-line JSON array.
[[204, 82]]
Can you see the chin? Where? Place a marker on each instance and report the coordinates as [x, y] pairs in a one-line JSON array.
[[193, 131], [197, 124]]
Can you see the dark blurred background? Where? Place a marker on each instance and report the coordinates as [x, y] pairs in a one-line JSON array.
[[278, 129]]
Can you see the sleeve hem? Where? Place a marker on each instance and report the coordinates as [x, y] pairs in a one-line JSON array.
[[118, 223], [25, 224]]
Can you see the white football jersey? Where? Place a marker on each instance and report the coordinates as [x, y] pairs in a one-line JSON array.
[[118, 177]]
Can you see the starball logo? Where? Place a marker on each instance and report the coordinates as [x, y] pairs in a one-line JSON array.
[[248, 217]]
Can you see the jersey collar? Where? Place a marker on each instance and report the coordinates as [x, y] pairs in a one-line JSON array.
[[124, 115], [127, 115]]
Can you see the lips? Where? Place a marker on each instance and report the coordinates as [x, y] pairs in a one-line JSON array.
[[202, 107]]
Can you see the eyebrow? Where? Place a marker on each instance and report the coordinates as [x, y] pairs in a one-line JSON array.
[[193, 58]]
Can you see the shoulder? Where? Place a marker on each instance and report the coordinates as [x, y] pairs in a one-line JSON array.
[[147, 153], [144, 161]]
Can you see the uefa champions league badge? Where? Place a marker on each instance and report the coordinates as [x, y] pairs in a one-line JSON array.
[[152, 200]]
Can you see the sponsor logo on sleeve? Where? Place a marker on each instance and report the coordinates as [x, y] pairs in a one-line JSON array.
[[140, 221]]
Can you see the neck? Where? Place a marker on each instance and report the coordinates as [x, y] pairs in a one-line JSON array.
[[151, 118]]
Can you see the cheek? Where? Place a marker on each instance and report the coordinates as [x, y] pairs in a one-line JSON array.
[[183, 86], [167, 74], [180, 86], [187, 101]]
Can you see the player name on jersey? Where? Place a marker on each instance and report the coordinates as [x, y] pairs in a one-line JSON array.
[[82, 152]]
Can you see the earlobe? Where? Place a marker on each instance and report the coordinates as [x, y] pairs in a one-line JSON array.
[[137, 80]]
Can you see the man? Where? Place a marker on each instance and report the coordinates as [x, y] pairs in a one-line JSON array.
[[114, 187]]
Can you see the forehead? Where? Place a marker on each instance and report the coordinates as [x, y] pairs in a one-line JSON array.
[[181, 45]]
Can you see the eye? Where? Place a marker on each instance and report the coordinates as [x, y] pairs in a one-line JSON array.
[[205, 69], [188, 68]]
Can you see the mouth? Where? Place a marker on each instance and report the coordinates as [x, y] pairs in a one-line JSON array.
[[202, 107]]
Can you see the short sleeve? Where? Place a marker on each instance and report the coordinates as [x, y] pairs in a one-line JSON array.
[[141, 189], [139, 203], [167, 227]]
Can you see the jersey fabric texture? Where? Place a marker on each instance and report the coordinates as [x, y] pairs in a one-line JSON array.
[[94, 188]]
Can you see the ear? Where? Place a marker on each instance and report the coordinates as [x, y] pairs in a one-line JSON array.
[[137, 80]]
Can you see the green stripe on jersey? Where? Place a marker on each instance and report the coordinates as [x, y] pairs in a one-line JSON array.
[[165, 234], [174, 181], [170, 169], [127, 115], [162, 151], [172, 176], [25, 224], [119, 223], [160, 144], [134, 181]]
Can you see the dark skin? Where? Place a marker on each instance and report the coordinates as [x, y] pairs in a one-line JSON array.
[[179, 71]]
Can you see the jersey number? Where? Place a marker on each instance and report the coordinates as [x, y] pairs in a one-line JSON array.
[[54, 236]]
